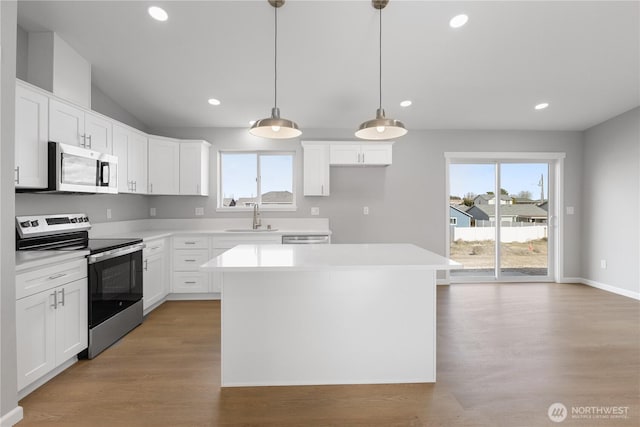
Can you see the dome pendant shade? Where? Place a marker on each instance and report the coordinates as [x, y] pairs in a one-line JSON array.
[[275, 127], [381, 128]]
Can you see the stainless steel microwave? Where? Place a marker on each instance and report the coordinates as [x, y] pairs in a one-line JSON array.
[[78, 170]]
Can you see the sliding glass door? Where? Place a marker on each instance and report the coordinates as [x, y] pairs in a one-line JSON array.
[[501, 222]]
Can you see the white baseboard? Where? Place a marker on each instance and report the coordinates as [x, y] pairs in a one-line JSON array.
[[45, 378], [609, 288], [441, 282], [12, 417], [193, 297], [571, 280]]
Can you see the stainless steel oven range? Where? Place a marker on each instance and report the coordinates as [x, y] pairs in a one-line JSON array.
[[114, 271]]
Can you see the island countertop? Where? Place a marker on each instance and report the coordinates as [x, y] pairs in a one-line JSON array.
[[384, 256]]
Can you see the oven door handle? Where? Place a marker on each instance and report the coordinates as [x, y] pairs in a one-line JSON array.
[[115, 253]]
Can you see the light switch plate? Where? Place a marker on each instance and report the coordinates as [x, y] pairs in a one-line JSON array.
[[152, 212], [603, 264], [199, 211], [108, 213], [365, 210], [315, 211], [570, 210]]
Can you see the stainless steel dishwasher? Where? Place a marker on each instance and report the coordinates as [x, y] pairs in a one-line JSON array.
[[306, 239]]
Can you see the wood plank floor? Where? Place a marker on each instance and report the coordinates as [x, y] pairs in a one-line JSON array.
[[505, 353]]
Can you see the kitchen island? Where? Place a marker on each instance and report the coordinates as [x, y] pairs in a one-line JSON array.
[[328, 314]]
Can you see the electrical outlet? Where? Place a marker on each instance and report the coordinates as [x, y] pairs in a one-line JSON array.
[[603, 264], [152, 212], [365, 210], [199, 211], [315, 211], [108, 213], [570, 210]]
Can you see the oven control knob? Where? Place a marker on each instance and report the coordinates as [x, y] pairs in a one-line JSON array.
[[74, 220], [25, 224], [86, 219], [34, 223]]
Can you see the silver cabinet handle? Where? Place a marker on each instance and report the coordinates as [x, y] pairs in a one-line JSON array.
[[84, 140], [55, 300], [146, 265], [363, 157], [154, 248], [151, 188], [190, 283], [189, 260], [197, 188], [17, 169], [62, 300], [189, 243], [322, 189], [89, 141], [135, 186], [57, 276]]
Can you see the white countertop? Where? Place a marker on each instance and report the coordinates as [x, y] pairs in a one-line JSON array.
[[147, 235], [30, 259], [399, 256]]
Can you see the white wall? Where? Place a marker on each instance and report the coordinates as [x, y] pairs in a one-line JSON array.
[[611, 194], [103, 104], [405, 199], [8, 383]]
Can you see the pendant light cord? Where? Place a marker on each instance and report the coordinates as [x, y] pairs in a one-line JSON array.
[[275, 61], [380, 57]]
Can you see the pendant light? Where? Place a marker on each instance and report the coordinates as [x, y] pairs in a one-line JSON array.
[[381, 127], [275, 127]]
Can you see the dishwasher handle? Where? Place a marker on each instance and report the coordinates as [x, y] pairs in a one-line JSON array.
[[305, 240]]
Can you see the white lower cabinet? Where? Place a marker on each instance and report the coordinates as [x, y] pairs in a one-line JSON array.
[[189, 253], [154, 273], [51, 325]]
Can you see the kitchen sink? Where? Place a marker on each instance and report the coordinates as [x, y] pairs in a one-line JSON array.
[[250, 230]]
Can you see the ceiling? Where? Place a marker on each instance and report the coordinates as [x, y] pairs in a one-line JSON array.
[[583, 58]]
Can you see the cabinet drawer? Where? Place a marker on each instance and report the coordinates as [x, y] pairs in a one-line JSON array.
[[184, 260], [191, 242], [42, 279], [153, 247], [184, 282]]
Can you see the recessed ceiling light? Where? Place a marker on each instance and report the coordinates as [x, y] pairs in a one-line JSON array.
[[458, 21], [214, 101], [406, 103], [541, 106], [158, 13]]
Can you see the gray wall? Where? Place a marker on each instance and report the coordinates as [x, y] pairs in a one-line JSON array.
[[405, 199], [123, 206], [611, 193], [22, 53], [101, 103], [8, 382]]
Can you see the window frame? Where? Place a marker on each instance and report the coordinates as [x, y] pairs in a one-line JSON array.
[[268, 207]]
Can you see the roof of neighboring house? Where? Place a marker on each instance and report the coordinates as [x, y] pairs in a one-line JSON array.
[[523, 200], [277, 197], [488, 197], [457, 208], [523, 211]]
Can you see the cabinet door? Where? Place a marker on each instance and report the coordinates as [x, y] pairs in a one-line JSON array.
[[344, 154], [71, 320], [316, 170], [35, 336], [66, 124], [32, 119], [121, 138], [377, 154], [191, 168], [137, 154], [98, 133], [164, 166], [153, 280]]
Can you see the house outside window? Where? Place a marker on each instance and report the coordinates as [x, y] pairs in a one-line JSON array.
[[453, 220], [246, 178]]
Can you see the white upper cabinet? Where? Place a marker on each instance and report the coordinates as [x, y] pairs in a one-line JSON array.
[[164, 166], [32, 119], [370, 154], [316, 169], [98, 133], [130, 146], [72, 125], [194, 168], [66, 124]]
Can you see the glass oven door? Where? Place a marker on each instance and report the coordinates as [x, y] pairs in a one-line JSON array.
[[115, 283]]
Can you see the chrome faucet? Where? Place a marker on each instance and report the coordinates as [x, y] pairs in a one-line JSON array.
[[257, 222]]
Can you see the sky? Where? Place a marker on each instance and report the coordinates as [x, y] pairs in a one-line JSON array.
[[239, 171], [514, 177]]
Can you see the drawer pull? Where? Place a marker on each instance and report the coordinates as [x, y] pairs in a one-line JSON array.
[[189, 260], [189, 243], [57, 276], [155, 247], [190, 283]]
